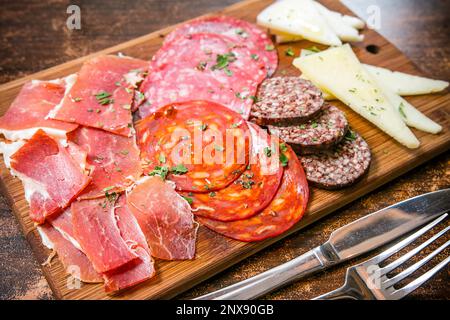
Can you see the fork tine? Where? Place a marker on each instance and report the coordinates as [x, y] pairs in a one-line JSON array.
[[411, 253], [414, 267], [389, 252], [398, 294]]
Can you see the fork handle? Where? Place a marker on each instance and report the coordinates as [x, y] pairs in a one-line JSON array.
[[256, 286], [344, 292]]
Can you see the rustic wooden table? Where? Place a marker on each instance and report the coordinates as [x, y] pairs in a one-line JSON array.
[[34, 37]]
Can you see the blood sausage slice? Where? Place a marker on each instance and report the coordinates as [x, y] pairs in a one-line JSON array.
[[51, 177], [341, 167], [286, 208], [102, 94], [242, 33], [188, 143], [320, 134], [113, 160], [284, 101], [251, 192], [165, 218], [28, 112], [203, 67], [95, 229]]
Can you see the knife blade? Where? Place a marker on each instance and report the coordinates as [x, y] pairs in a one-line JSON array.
[[349, 241]]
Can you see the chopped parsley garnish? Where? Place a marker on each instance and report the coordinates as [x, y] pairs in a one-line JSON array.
[[314, 124], [270, 47], [110, 196], [289, 52], [401, 109], [302, 126], [223, 60], [237, 124], [160, 171], [254, 56], [162, 158], [283, 160], [179, 169], [212, 194], [188, 199], [254, 99], [283, 147], [268, 152], [313, 49], [117, 83], [241, 32], [228, 72], [103, 98], [350, 136]]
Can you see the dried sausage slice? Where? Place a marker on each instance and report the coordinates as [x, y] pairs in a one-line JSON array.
[[251, 192], [192, 144], [285, 101], [344, 166], [242, 32], [202, 67], [322, 133], [286, 209]]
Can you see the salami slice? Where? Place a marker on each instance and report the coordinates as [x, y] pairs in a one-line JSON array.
[[286, 209], [320, 134], [251, 192], [242, 32], [285, 101], [342, 167], [203, 67], [199, 145]]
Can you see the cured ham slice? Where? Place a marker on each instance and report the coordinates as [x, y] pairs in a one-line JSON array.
[[74, 261], [95, 229], [51, 177], [28, 112], [165, 218], [138, 270], [102, 94], [114, 160]]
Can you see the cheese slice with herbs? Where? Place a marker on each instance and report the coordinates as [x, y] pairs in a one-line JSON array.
[[340, 72]]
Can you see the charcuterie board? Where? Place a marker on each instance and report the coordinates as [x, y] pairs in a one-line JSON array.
[[215, 252]]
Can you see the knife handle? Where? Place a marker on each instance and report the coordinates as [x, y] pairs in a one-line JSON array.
[[311, 261]]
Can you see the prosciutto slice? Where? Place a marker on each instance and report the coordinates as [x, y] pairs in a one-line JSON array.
[[57, 234], [28, 112], [51, 177], [113, 160], [102, 95], [95, 229], [138, 270], [165, 218]]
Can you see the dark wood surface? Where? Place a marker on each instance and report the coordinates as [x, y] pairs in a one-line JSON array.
[[34, 37]]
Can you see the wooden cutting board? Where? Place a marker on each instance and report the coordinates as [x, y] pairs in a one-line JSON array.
[[214, 252]]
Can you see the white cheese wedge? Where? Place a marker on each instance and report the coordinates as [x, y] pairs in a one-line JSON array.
[[405, 84], [340, 72], [335, 20], [398, 82], [298, 17], [353, 22]]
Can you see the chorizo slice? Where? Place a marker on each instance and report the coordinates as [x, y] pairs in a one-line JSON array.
[[285, 210]]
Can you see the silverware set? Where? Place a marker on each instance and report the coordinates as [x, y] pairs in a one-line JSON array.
[[371, 279]]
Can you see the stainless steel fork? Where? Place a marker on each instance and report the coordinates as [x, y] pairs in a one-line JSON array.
[[369, 281]]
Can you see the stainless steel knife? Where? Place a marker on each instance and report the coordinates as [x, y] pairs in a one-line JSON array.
[[354, 239]]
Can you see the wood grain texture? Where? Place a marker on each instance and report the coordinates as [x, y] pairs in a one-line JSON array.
[[210, 261]]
